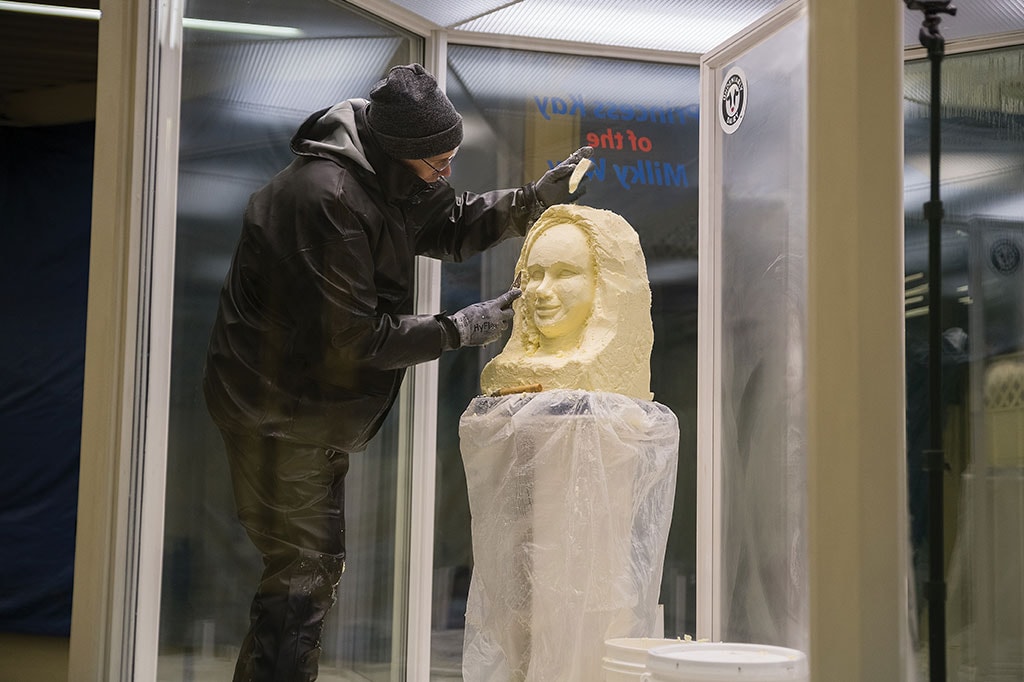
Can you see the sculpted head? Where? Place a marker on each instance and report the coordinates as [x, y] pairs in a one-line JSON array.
[[584, 319], [558, 281]]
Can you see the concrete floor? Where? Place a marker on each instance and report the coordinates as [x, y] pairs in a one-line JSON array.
[[30, 658]]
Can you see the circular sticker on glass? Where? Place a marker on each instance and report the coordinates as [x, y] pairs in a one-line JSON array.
[[733, 100], [1005, 256]]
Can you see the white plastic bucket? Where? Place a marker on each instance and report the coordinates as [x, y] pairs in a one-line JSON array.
[[625, 658], [617, 671], [725, 661]]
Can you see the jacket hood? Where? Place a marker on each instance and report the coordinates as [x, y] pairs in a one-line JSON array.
[[340, 134], [331, 133]]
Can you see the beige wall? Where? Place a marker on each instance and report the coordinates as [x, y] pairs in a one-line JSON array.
[[27, 658], [857, 518]]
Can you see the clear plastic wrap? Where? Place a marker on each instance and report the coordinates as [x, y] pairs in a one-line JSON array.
[[571, 494]]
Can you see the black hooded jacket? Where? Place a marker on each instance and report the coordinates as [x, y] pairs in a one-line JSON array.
[[315, 328]]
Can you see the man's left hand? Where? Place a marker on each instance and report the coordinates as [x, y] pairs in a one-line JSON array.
[[553, 188]]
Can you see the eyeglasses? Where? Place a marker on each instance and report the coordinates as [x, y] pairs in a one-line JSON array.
[[444, 166]]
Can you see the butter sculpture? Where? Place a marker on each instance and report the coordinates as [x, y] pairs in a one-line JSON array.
[[571, 489], [584, 319]]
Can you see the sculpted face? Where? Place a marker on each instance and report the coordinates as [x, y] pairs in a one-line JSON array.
[[584, 319], [559, 287]]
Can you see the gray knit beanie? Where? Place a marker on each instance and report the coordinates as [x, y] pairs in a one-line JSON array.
[[411, 117]]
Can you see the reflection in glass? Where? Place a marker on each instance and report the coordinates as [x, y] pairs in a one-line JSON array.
[[763, 298], [982, 322]]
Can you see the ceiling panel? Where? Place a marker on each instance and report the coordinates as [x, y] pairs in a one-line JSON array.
[[40, 54], [692, 26], [449, 13]]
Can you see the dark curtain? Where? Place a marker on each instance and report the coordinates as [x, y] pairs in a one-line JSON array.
[[45, 218]]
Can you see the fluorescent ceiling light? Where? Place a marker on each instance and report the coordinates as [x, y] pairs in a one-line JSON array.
[[50, 10], [914, 291], [236, 27], [198, 24]]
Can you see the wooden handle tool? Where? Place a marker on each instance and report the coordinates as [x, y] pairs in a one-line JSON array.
[[510, 390]]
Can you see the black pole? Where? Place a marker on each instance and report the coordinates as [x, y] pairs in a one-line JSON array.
[[934, 459]]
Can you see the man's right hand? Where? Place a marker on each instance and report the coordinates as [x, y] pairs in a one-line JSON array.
[[482, 323]]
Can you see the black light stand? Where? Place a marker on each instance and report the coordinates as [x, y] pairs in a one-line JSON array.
[[935, 463]]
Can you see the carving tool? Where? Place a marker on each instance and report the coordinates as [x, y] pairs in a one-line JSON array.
[[577, 174], [526, 388]]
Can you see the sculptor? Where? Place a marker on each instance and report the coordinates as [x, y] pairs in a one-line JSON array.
[[584, 320]]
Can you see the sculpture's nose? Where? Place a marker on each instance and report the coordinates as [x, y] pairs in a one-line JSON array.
[[545, 285]]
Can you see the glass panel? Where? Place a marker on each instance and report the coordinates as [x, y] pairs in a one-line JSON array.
[[763, 329], [524, 111], [243, 96], [982, 318]]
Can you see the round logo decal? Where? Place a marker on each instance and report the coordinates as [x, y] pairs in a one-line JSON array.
[[733, 100], [1005, 256]]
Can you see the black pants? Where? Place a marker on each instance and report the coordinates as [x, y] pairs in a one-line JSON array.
[[291, 501]]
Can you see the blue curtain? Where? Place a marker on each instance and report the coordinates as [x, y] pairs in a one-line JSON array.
[[45, 217]]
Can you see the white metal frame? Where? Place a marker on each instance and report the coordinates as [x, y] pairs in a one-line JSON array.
[[709, 315], [165, 82], [120, 520], [423, 394]]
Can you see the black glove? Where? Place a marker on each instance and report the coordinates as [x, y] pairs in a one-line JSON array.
[[553, 188], [482, 323]]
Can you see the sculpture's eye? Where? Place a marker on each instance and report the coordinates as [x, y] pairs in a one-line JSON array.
[[536, 274], [566, 273]]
